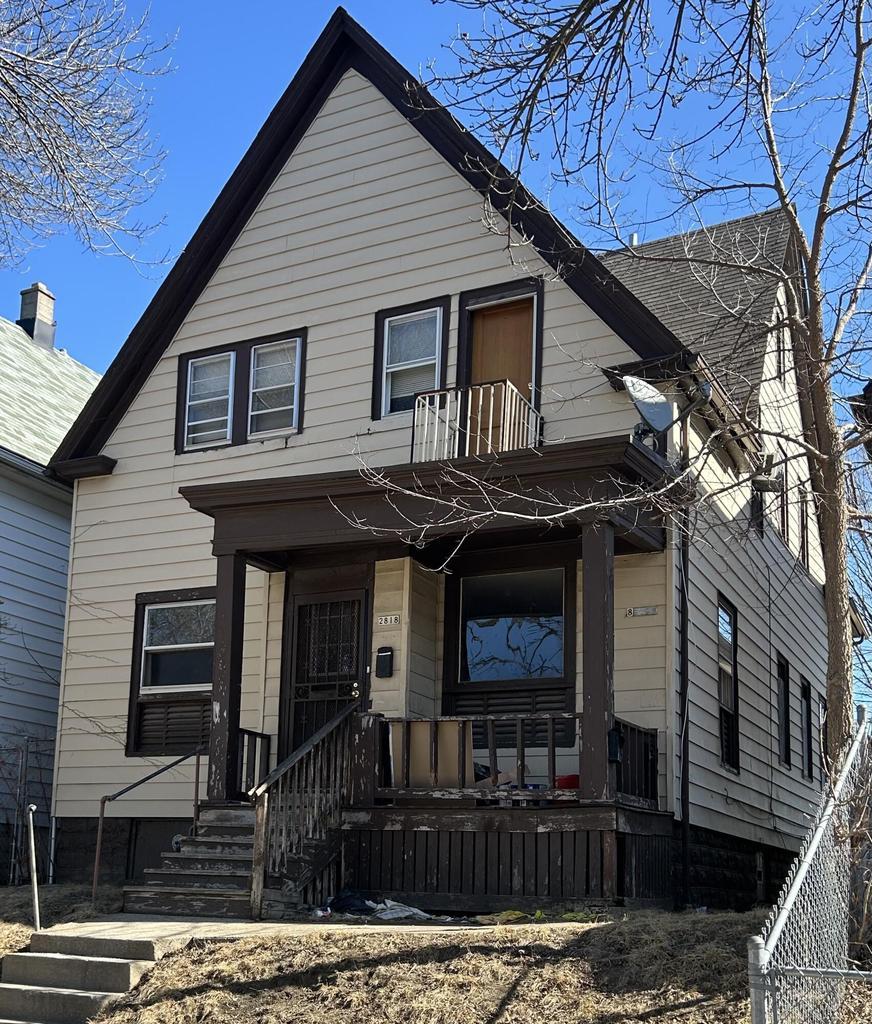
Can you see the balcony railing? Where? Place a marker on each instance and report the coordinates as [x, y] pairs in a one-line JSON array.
[[483, 419]]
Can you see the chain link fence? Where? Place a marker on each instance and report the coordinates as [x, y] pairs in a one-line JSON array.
[[810, 946]]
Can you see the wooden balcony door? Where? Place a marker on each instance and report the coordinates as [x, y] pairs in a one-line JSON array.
[[326, 661], [501, 348]]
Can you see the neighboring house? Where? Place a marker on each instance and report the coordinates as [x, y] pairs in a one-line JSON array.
[[42, 390], [424, 725]]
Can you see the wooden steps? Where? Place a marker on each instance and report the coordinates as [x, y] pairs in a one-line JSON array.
[[210, 876]]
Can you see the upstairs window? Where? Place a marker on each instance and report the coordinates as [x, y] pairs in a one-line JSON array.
[[209, 407], [273, 388], [411, 358], [784, 754], [803, 527], [728, 697], [246, 392], [410, 352], [807, 748]]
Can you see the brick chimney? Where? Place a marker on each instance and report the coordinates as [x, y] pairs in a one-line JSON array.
[[37, 314]]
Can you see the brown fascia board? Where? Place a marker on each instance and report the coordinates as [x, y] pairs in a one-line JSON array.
[[342, 45], [87, 466], [620, 453]]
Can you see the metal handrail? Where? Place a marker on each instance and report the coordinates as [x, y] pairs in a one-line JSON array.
[[301, 751], [127, 789]]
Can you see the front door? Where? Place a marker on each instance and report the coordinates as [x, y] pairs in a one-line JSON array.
[[327, 664], [501, 350]]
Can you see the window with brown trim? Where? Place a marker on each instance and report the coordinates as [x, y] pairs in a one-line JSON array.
[[171, 674], [410, 354], [784, 751], [728, 682], [510, 637], [807, 747], [803, 527], [238, 393]]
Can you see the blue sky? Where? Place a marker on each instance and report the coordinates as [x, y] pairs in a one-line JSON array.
[[230, 71]]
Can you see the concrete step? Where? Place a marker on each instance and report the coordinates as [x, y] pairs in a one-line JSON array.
[[51, 1005], [187, 902], [60, 970], [193, 878], [198, 860], [94, 946]]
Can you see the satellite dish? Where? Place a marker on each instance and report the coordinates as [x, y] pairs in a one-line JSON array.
[[655, 409]]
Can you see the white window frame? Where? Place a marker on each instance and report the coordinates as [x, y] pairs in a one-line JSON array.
[[256, 435], [158, 648], [412, 364], [227, 439]]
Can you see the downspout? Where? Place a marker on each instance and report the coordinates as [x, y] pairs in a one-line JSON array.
[[684, 677]]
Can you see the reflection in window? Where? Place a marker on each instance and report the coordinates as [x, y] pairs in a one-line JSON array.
[[177, 646], [512, 626]]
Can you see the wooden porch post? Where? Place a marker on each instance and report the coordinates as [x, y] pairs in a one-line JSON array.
[[598, 658], [227, 679]]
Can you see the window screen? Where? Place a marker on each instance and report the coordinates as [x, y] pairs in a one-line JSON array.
[[178, 640], [209, 404], [274, 381], [411, 357]]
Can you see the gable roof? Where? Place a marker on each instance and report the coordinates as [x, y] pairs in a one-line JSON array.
[[343, 45], [42, 391], [721, 311]]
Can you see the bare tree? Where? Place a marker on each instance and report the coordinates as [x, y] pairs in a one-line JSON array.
[[727, 107], [75, 150]]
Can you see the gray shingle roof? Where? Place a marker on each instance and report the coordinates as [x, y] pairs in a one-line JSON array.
[[41, 393], [720, 311]]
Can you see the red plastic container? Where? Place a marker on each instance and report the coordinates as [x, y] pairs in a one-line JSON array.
[[566, 782]]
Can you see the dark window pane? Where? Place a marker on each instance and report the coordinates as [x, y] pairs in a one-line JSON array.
[[180, 624], [178, 668], [512, 626]]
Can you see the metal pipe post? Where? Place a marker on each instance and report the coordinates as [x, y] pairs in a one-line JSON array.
[[34, 881]]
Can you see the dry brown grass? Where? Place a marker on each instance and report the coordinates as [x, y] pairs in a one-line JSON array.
[[58, 903], [662, 968]]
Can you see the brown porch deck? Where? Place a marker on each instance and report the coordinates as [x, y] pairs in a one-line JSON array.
[[469, 836]]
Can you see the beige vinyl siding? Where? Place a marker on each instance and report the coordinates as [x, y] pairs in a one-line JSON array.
[[780, 610]]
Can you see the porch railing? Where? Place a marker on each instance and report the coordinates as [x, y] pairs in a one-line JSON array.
[[638, 762], [493, 758], [482, 419], [253, 765], [299, 802]]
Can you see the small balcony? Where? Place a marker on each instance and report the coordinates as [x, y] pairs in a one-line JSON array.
[[479, 420]]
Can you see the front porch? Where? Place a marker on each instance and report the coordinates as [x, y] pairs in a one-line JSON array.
[[405, 764]]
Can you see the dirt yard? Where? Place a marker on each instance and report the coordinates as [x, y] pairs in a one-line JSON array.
[[663, 968], [58, 903]]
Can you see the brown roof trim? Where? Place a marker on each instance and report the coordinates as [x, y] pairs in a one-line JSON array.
[[342, 45], [88, 465], [611, 453]]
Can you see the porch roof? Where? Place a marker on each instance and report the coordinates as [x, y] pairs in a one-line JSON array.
[[268, 519]]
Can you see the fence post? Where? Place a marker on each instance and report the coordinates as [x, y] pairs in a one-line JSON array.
[[757, 979]]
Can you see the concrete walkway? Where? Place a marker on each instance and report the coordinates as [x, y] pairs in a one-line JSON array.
[[170, 933]]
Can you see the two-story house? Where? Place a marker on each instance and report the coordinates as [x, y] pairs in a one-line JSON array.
[[42, 390], [541, 714]]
